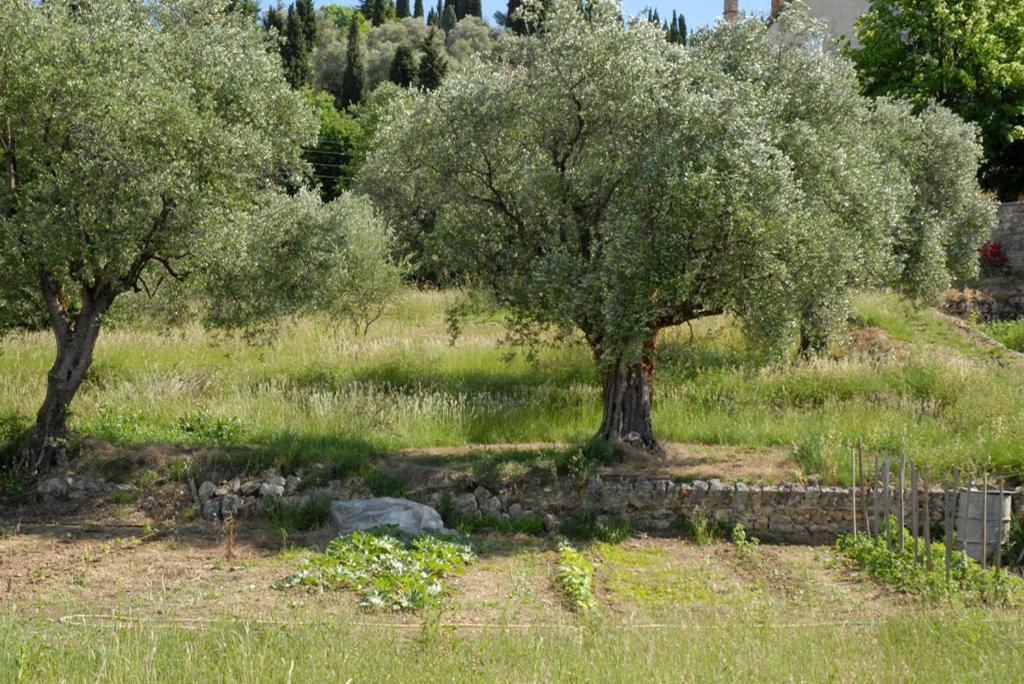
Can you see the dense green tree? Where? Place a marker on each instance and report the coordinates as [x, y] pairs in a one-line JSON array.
[[683, 35], [402, 8], [433, 65], [403, 66], [378, 12], [603, 183], [432, 18], [303, 255], [965, 54], [276, 20], [474, 8], [296, 51], [448, 19], [250, 9], [333, 157], [150, 155], [525, 17], [343, 15], [417, 8], [306, 16], [353, 85]]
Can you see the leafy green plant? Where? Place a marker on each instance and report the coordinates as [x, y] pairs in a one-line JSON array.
[[386, 571], [1008, 333], [201, 426], [575, 577], [700, 528], [898, 569]]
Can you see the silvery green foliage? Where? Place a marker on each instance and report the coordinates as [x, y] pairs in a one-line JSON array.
[[298, 255], [131, 133], [599, 178]]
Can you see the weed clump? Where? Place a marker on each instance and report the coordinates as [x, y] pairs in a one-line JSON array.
[[386, 572], [575, 576], [899, 570]]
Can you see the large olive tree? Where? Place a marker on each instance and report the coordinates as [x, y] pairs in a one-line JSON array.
[[600, 179], [137, 139]]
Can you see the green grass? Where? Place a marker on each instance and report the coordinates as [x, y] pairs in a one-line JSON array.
[[1008, 333], [321, 394]]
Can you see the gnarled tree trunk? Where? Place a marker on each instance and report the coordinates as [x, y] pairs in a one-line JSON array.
[[628, 401], [46, 445]]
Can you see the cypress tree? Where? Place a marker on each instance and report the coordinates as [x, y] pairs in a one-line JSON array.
[[514, 22], [275, 19], [401, 8], [432, 64], [296, 53], [656, 19], [403, 66], [306, 16], [673, 29], [417, 8], [474, 8], [378, 11], [353, 83], [460, 9], [432, 17], [682, 30], [448, 19]]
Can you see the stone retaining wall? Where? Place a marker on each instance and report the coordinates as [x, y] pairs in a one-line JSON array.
[[789, 513], [1010, 234]]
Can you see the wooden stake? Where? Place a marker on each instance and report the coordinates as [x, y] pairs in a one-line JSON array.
[[875, 493], [887, 503], [946, 506], [860, 470], [927, 521], [914, 529], [900, 518], [984, 519], [853, 489], [954, 502], [999, 546]]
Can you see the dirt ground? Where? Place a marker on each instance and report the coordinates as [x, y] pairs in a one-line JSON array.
[[79, 570]]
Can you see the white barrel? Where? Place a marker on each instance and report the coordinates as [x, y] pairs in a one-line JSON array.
[[969, 521]]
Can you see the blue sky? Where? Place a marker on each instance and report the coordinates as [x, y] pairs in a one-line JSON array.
[[697, 12]]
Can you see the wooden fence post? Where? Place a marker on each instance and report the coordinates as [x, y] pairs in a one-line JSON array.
[[946, 506], [999, 546], [853, 489], [927, 521], [984, 519], [902, 508], [887, 503], [914, 529]]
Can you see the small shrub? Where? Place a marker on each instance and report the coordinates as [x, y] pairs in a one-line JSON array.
[[122, 497], [575, 577], [309, 515], [746, 546], [1010, 334], [385, 571], [585, 527], [472, 524], [701, 529], [382, 483], [177, 469], [204, 428]]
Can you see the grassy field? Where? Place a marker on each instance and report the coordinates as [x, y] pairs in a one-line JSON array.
[[86, 605], [907, 381]]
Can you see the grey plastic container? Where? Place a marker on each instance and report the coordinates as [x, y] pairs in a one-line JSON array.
[[969, 521]]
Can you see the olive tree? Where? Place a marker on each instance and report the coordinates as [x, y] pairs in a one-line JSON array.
[[137, 140], [599, 179]]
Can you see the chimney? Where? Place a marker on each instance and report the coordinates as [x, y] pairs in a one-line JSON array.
[[732, 10], [777, 6]]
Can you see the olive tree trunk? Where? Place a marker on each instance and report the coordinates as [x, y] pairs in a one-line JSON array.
[[627, 404], [45, 447]]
